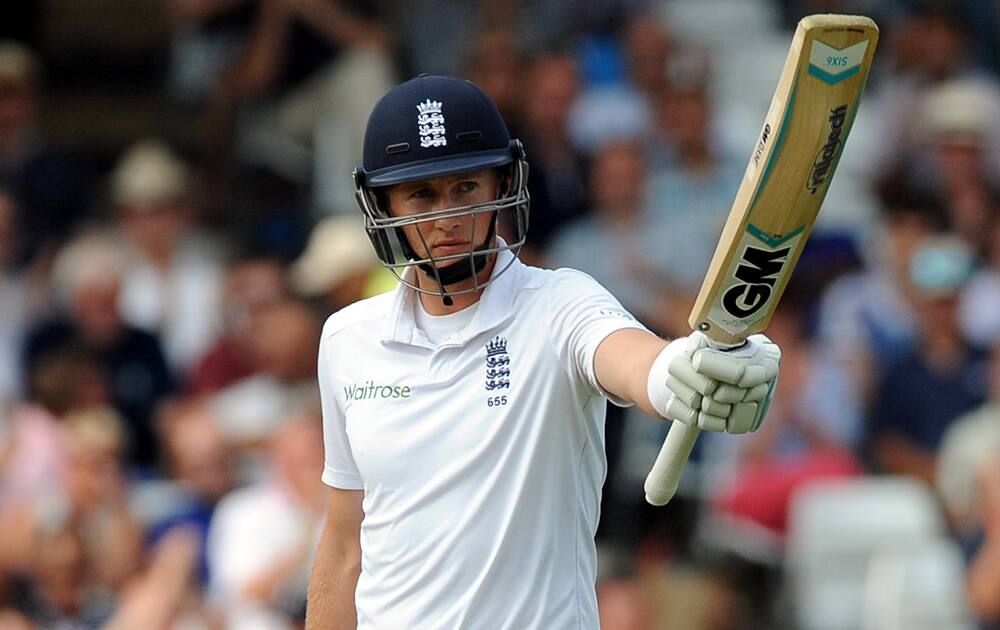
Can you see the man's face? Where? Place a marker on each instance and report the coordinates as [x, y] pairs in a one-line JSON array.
[[445, 236]]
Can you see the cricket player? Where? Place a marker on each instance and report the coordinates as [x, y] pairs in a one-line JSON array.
[[463, 413]]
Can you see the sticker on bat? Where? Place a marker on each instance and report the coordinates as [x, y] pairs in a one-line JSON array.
[[753, 279], [831, 148], [832, 65], [762, 144], [757, 272]]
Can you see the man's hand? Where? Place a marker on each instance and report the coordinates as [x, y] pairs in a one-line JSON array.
[[714, 389]]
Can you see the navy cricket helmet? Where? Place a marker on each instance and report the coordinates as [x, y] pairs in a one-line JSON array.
[[435, 126]]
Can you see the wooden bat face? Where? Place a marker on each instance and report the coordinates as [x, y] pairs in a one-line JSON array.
[[788, 175]]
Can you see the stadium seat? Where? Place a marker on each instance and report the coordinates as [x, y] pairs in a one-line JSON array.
[[917, 589], [836, 528]]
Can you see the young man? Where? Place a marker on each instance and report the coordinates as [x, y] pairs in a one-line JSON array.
[[464, 412]]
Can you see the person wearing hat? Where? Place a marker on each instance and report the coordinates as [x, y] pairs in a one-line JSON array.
[[463, 412], [174, 270], [961, 129], [338, 266], [941, 376]]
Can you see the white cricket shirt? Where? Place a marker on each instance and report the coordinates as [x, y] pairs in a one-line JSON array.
[[481, 457]]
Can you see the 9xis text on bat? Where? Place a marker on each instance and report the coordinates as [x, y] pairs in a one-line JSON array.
[[782, 190]]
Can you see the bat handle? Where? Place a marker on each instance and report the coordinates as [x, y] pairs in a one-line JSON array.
[[661, 482]]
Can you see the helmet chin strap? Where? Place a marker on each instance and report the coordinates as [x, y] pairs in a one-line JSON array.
[[460, 270]]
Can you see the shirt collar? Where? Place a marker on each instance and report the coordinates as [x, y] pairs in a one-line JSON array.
[[494, 307]]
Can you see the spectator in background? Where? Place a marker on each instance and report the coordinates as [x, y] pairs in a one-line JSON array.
[[690, 201], [61, 383], [95, 486], [339, 266], [302, 90], [283, 350], [616, 78], [199, 468], [961, 161], [172, 270], [633, 257], [84, 543], [263, 537], [441, 36], [930, 47], [87, 277], [43, 465], [254, 281], [59, 593], [436, 35], [940, 378], [558, 172], [624, 103], [53, 192], [497, 65], [206, 38], [37, 462], [867, 320], [648, 49]]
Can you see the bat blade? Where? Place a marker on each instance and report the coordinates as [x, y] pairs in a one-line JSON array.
[[784, 185], [787, 176]]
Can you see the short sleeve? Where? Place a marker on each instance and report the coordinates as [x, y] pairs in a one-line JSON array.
[[340, 469], [583, 315]]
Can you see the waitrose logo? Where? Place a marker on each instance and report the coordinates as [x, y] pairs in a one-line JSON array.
[[371, 390]]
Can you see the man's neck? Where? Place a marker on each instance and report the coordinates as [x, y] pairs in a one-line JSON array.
[[435, 305]]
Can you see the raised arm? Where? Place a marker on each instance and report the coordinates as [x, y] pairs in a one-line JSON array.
[[622, 365], [688, 380]]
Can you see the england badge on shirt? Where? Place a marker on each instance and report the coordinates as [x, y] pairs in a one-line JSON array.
[[497, 364]]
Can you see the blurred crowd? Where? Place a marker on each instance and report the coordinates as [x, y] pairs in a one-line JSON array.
[[177, 219]]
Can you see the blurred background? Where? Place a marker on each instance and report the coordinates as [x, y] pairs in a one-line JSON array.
[[177, 219]]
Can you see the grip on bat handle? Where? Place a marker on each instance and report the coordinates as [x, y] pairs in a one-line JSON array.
[[665, 475], [661, 482]]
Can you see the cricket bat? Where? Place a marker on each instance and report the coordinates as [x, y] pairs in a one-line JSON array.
[[782, 190]]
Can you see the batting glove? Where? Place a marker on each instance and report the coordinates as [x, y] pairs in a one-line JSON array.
[[715, 389]]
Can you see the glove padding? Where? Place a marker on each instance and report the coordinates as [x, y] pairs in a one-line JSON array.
[[720, 390]]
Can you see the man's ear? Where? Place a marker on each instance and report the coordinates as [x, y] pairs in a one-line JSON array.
[[382, 201], [504, 181]]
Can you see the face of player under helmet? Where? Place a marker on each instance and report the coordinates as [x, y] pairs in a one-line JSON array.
[[432, 127]]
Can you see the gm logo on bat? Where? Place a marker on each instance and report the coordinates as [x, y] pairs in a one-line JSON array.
[[757, 274]]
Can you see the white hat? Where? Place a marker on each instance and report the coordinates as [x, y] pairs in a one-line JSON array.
[[338, 248], [93, 258], [962, 109], [149, 173]]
